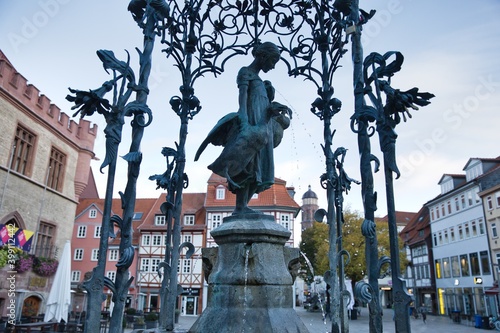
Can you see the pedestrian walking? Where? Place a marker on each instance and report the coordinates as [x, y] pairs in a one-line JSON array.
[[423, 312]]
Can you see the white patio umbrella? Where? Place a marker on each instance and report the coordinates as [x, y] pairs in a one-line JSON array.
[[60, 293]]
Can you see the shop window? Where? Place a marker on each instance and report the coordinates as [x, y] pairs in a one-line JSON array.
[[474, 264], [485, 262], [464, 265]]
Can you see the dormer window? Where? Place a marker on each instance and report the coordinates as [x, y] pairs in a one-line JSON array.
[[160, 220], [474, 170], [220, 193], [188, 219], [447, 185], [93, 213]]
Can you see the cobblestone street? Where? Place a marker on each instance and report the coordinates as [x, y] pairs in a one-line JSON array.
[[315, 324]]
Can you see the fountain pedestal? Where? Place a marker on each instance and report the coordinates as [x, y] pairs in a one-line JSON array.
[[250, 277]]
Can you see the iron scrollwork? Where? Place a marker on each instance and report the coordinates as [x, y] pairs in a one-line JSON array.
[[149, 15], [387, 113]]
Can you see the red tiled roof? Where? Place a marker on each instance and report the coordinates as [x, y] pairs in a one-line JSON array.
[[401, 217], [192, 203], [277, 195], [141, 205], [411, 233]]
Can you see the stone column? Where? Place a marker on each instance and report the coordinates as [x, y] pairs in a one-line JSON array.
[[250, 277]]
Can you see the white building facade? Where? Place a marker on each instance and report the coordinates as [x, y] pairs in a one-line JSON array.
[[462, 264]]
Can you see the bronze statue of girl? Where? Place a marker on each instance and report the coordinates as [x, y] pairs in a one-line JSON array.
[[250, 135]]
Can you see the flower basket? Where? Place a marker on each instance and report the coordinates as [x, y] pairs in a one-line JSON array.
[[45, 266], [24, 263]]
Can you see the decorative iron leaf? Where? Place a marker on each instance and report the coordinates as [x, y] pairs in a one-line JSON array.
[[116, 219], [109, 284], [135, 109], [109, 61], [368, 229], [190, 249], [375, 159], [126, 257], [133, 157], [166, 269], [363, 291], [342, 253], [381, 262]]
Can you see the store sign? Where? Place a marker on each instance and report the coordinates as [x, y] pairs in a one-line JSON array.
[[478, 280]]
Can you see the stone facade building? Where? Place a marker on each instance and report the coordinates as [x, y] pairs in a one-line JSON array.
[[44, 167]]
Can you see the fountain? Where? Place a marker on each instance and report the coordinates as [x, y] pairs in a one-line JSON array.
[[250, 277], [251, 273]]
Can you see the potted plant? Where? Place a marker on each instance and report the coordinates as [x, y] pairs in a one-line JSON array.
[[151, 320], [139, 323]]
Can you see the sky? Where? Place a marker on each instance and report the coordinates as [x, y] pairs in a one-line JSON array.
[[451, 49]]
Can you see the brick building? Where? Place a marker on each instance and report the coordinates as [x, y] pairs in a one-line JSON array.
[[201, 213], [44, 167]]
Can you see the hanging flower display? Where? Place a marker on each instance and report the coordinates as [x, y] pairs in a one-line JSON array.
[[24, 262], [45, 266]]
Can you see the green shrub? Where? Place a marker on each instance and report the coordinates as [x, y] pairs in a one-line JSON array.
[[130, 311], [152, 316]]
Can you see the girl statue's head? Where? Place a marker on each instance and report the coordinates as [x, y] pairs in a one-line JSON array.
[[266, 49], [266, 55]]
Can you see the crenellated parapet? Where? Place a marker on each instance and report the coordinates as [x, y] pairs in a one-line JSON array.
[[82, 133], [16, 85]]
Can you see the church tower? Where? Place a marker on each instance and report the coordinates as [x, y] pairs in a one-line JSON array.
[[309, 207]]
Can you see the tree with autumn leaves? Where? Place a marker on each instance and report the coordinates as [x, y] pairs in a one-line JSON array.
[[315, 246]]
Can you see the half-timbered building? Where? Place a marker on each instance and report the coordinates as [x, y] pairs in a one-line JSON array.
[[201, 213]]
